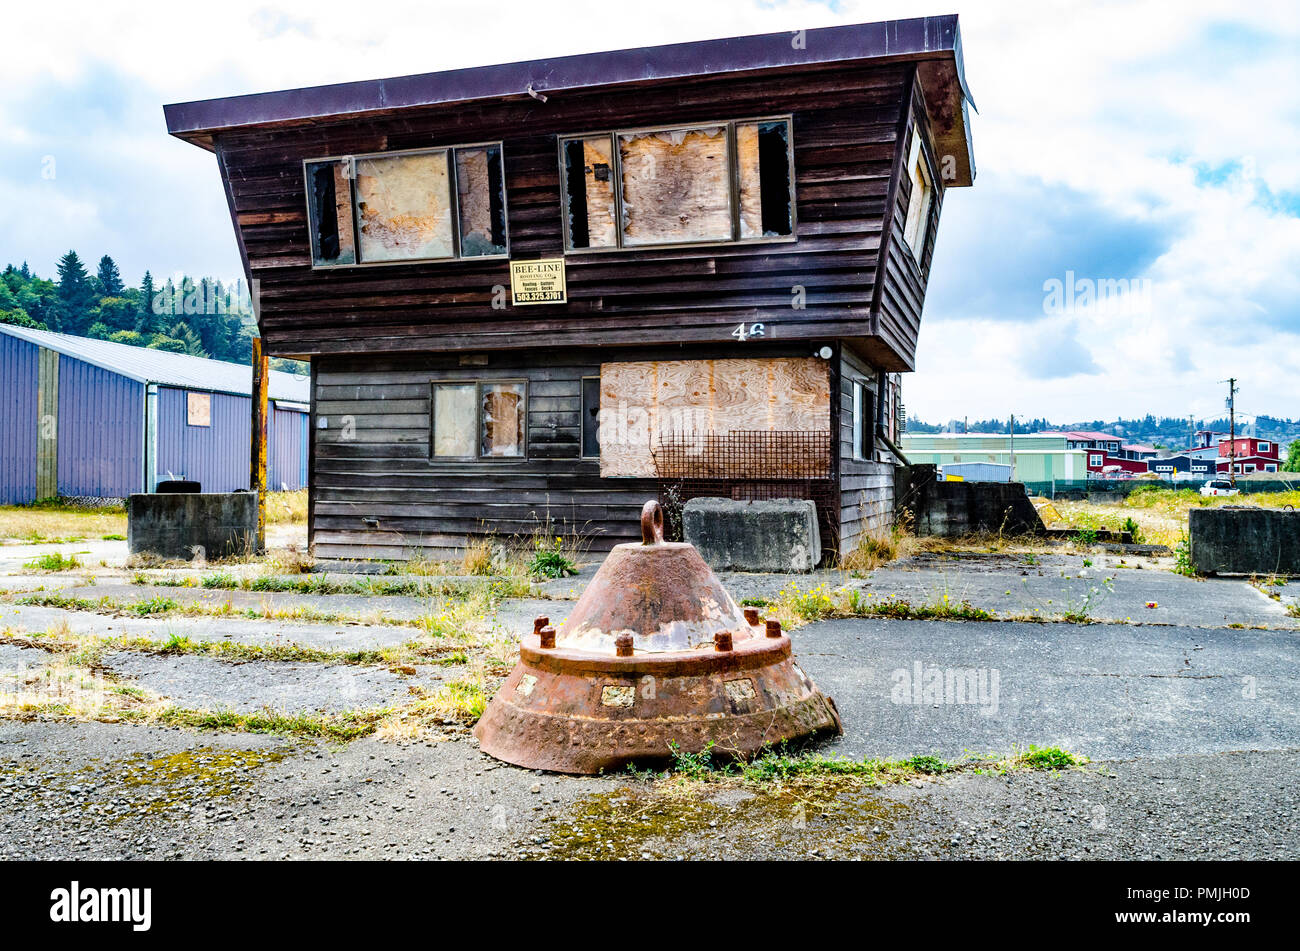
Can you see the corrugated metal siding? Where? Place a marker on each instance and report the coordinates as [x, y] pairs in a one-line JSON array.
[[216, 456], [286, 446], [101, 431], [17, 421]]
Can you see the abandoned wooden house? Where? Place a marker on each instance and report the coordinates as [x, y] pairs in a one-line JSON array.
[[549, 290]]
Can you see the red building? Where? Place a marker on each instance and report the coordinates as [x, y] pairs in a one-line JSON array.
[[1108, 455], [1246, 454]]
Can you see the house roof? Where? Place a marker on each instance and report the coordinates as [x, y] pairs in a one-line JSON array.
[[169, 369], [1088, 434], [933, 41], [1138, 447]]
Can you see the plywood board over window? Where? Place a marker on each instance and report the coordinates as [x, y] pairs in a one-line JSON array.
[[676, 186], [639, 401], [198, 409], [404, 207]]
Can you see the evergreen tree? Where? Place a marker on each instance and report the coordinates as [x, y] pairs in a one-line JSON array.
[[144, 323], [76, 294], [110, 278]]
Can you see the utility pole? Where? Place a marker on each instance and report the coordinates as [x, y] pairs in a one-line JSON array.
[[1231, 430], [1013, 447], [257, 451]]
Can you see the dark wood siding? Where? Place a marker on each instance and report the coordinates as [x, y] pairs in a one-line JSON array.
[[866, 487], [382, 470], [846, 122], [903, 279]]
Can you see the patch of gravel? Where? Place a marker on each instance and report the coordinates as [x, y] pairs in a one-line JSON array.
[[116, 792]]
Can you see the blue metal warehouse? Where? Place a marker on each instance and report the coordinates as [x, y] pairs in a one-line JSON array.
[[89, 419]]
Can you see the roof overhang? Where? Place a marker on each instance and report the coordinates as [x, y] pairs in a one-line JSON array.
[[934, 43]]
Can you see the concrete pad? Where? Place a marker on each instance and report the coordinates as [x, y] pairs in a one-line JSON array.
[[1099, 689], [1058, 584], [205, 683], [322, 636], [14, 658]]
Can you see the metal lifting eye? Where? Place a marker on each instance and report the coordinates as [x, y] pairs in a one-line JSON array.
[[652, 523]]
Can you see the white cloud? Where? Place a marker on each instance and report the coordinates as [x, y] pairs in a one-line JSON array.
[[1110, 119]]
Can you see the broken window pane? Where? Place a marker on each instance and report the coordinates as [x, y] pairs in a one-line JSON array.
[[480, 187], [403, 207], [503, 420], [589, 190], [329, 209], [676, 186], [455, 420], [763, 164], [591, 416]]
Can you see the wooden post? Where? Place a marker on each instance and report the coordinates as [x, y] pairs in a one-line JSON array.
[[257, 457]]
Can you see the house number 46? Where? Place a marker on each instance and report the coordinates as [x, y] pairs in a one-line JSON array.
[[753, 330]]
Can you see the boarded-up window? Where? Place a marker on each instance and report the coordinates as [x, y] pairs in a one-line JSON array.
[[455, 420], [329, 210], [428, 205], [403, 207], [198, 409], [727, 181], [644, 400], [481, 194], [502, 406], [676, 186]]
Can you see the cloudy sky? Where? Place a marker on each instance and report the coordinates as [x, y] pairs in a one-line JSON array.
[[1147, 147]]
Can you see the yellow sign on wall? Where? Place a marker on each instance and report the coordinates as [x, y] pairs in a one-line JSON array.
[[538, 282]]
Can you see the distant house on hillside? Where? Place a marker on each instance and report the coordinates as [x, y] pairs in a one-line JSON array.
[[89, 419]]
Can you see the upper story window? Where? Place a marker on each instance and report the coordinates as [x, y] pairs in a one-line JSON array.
[[700, 184], [921, 197], [393, 207]]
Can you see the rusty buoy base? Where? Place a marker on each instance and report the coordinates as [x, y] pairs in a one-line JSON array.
[[572, 711]]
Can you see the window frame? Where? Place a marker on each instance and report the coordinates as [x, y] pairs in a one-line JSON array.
[[733, 185], [863, 441], [582, 416], [918, 150], [453, 197], [1263, 446], [478, 383]]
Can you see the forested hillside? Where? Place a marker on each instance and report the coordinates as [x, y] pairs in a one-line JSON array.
[[200, 317]]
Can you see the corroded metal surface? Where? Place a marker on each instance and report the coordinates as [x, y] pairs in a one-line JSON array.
[[655, 655], [578, 712], [662, 593]]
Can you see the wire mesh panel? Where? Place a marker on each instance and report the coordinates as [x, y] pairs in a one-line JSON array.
[[748, 464]]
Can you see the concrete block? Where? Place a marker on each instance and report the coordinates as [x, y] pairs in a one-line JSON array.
[[950, 509], [1244, 540], [170, 525], [778, 535]]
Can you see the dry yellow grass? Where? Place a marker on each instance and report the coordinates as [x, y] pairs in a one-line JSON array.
[[286, 508], [24, 525], [1161, 514]]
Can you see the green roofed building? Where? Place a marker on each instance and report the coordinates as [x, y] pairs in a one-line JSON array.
[[1038, 458]]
